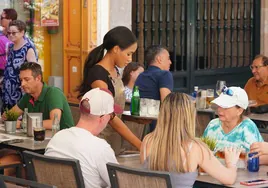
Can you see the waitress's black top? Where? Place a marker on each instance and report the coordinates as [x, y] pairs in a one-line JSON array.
[[97, 72]]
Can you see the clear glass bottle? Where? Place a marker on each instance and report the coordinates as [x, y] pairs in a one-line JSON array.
[[24, 120], [55, 125]]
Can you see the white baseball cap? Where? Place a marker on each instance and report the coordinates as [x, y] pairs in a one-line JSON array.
[[239, 97], [99, 102]]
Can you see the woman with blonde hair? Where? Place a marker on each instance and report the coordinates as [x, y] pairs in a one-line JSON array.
[[172, 146]]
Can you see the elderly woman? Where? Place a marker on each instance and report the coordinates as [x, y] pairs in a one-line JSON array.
[[232, 128], [20, 51], [172, 146]]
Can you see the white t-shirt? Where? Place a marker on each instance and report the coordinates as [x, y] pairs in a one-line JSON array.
[[92, 152]]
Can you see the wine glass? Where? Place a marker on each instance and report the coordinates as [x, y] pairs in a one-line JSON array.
[[220, 84]]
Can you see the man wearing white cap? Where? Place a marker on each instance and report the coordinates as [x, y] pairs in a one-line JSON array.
[[97, 108], [232, 128]]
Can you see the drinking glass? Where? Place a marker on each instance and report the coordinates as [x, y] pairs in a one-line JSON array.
[[153, 107], [210, 97], [220, 84], [39, 134], [143, 107]]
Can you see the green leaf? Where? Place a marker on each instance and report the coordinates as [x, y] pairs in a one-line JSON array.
[[211, 142], [11, 115]]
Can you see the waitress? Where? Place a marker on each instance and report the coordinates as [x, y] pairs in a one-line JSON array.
[[100, 71]]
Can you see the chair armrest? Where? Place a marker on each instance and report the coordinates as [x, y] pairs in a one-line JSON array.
[[17, 166]]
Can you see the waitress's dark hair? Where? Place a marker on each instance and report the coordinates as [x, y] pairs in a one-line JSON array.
[[119, 36]]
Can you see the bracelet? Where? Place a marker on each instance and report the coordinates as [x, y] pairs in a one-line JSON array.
[[231, 164]]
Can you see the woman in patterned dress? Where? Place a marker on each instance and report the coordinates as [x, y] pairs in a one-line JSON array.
[[19, 52]]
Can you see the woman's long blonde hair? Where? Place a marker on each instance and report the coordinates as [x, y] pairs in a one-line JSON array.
[[174, 131]]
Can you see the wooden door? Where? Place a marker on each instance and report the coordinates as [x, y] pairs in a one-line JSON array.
[[80, 36]]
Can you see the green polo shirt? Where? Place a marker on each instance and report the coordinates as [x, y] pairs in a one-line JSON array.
[[50, 98]]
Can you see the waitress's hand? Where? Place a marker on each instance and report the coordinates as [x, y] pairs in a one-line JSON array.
[[260, 147]]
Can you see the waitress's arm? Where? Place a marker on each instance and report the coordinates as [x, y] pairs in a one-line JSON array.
[[119, 126]]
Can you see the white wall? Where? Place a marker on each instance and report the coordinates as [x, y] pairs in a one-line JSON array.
[[120, 13], [112, 13], [102, 19]]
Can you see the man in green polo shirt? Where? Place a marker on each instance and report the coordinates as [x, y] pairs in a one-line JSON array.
[[39, 97]]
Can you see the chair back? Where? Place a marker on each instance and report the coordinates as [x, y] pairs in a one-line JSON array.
[[10, 182], [61, 172], [125, 177]]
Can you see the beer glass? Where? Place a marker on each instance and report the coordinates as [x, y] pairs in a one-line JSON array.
[[39, 134], [210, 97]]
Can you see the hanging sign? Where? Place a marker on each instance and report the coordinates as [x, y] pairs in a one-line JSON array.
[[50, 13]]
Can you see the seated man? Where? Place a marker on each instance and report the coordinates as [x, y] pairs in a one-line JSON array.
[[38, 97], [257, 86], [42, 98], [157, 81], [97, 109]]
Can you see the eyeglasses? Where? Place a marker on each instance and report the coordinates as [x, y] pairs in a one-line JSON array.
[[256, 67], [225, 90], [112, 115], [3, 18], [12, 33]]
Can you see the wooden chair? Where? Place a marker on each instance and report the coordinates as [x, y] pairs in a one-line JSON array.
[[125, 177], [12, 182], [17, 166], [63, 173]]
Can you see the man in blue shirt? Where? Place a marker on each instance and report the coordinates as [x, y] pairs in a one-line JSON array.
[[157, 81]]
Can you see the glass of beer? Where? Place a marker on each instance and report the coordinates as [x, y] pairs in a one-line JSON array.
[[39, 134], [210, 97]]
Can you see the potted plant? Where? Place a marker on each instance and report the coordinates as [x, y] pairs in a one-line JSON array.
[[210, 142], [11, 121]]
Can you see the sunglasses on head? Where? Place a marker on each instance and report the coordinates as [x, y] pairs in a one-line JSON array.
[[225, 90], [112, 115]]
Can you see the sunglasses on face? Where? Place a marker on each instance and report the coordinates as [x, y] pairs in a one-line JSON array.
[[225, 90], [112, 115], [12, 33]]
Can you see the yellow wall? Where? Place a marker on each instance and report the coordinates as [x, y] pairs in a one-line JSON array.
[[79, 37]]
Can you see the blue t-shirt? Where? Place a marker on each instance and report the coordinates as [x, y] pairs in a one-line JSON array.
[[243, 135], [151, 80]]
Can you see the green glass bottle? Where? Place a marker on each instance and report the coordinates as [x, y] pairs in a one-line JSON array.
[[135, 102]]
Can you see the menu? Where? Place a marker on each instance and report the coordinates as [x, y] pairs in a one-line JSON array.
[[50, 13]]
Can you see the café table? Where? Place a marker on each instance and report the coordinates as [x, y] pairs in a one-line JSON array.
[[260, 117], [203, 118], [138, 119], [26, 143], [205, 181]]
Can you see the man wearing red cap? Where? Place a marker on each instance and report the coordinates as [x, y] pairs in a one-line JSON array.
[[97, 108]]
